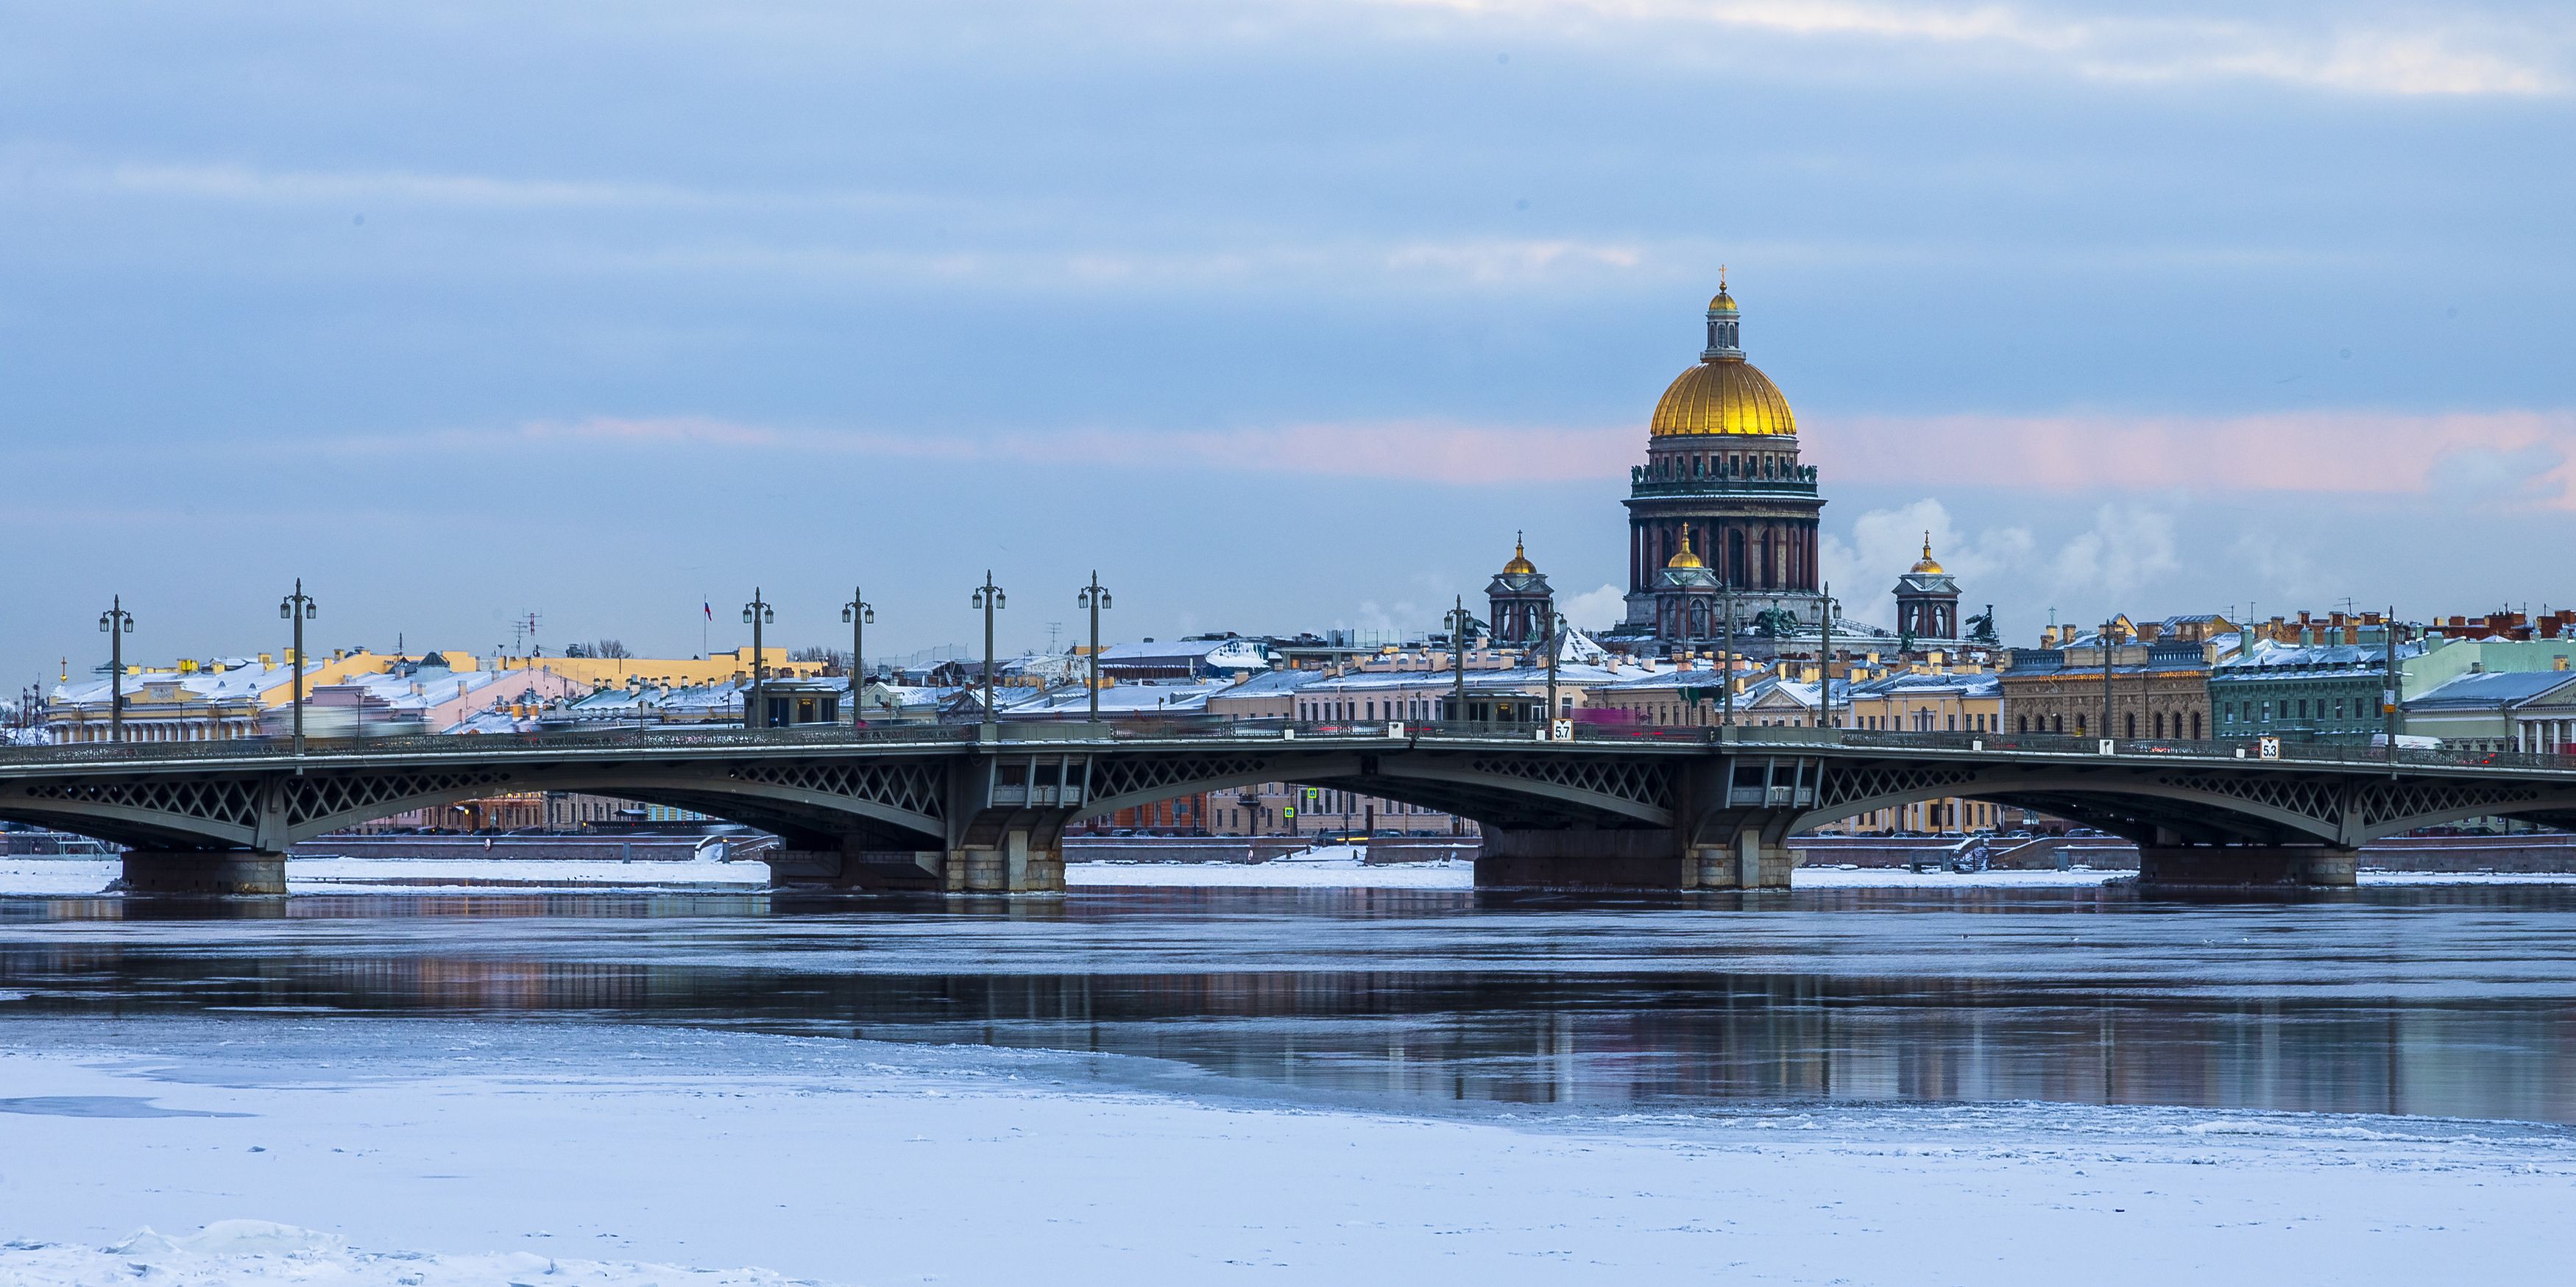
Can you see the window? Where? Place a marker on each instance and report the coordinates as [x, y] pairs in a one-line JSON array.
[[2195, 726]]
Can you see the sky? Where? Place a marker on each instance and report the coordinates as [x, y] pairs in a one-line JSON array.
[[1281, 316]]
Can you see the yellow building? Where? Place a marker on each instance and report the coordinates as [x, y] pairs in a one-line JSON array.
[[1930, 700], [622, 672]]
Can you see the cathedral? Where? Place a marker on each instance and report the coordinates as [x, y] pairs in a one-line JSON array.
[[1722, 519], [1723, 530]]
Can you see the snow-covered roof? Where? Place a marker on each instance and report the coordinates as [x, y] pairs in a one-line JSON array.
[[2497, 688]]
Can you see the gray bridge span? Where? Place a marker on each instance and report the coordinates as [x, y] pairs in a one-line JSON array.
[[984, 808]]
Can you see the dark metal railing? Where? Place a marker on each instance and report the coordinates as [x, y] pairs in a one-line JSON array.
[[1220, 727]]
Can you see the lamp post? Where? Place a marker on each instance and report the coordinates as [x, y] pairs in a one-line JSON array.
[[2106, 681], [298, 608], [860, 614], [1094, 597], [1457, 622], [1825, 653], [989, 598], [117, 623], [1555, 636], [2394, 691], [757, 613], [1726, 655]]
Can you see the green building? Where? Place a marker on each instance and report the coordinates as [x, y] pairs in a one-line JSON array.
[[2331, 692]]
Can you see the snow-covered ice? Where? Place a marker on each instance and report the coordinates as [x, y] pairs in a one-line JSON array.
[[63, 876], [457, 1152], [248, 1252]]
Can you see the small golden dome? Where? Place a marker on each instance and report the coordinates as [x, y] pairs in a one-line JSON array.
[[1723, 303], [1729, 396], [1685, 559], [1520, 564], [1926, 565]]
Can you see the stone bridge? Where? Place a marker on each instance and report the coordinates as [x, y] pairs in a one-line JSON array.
[[984, 808]]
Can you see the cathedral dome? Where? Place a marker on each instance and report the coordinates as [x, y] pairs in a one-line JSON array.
[[1520, 564], [1927, 565], [1685, 558], [1724, 394]]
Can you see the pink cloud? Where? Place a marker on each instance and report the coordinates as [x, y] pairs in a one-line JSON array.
[[2517, 456], [2524, 454]]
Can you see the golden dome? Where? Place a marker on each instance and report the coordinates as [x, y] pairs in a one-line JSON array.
[[1685, 559], [1926, 565], [1520, 564], [1723, 303], [1725, 395]]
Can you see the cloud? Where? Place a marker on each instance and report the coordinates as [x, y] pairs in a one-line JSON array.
[[2399, 52], [2125, 548], [2518, 455], [1595, 609], [1420, 450]]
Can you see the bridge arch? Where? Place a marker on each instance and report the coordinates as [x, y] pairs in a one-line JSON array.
[[2132, 801], [1495, 788]]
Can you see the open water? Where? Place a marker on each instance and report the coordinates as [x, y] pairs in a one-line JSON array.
[[2453, 1001]]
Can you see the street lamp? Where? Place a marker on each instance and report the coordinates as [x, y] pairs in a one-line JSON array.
[[1458, 622], [988, 597], [116, 623], [756, 614], [2106, 734], [860, 614], [1825, 654], [1095, 597], [298, 608], [1555, 636]]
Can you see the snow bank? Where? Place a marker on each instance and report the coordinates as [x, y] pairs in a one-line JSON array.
[[240, 1253], [1326, 871]]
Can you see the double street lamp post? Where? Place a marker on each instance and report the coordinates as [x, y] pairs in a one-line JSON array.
[[860, 614], [757, 613], [1458, 623], [117, 623], [298, 608], [1094, 597], [988, 598]]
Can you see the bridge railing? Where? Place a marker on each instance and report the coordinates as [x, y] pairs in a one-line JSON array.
[[1221, 727]]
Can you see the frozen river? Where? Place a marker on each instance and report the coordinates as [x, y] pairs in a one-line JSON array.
[[1870, 1084]]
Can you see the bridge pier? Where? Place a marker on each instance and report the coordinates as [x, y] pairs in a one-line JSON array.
[[203, 871], [1015, 865], [2245, 866], [1640, 859]]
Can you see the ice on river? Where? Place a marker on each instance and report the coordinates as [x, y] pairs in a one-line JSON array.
[[248, 1252], [365, 1151]]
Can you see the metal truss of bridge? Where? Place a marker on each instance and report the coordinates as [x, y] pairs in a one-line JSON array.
[[984, 808]]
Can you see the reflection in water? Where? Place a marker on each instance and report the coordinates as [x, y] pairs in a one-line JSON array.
[[2453, 1001]]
